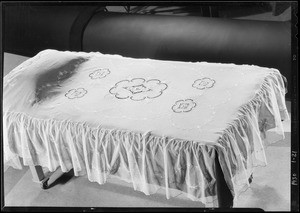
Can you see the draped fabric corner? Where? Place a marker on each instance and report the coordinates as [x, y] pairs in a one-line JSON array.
[[244, 140], [147, 160]]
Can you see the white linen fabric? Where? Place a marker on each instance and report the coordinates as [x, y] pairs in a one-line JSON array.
[[156, 124]]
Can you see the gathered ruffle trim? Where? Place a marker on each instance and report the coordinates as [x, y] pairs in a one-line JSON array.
[[244, 140], [151, 162]]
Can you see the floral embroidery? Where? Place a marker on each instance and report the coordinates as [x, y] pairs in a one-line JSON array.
[[204, 83], [183, 106], [138, 89], [99, 73], [76, 93]]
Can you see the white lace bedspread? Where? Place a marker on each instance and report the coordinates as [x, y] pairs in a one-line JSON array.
[[152, 123]]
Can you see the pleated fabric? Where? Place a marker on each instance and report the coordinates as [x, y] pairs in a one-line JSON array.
[[147, 159]]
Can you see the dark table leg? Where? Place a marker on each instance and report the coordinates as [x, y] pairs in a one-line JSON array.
[[39, 176], [225, 197]]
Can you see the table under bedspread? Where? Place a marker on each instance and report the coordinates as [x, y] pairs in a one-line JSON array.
[[150, 122]]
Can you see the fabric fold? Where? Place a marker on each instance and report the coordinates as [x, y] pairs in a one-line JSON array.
[[149, 161]]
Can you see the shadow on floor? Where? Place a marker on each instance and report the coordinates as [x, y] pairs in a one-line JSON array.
[[286, 142], [128, 190], [161, 198], [265, 196], [12, 177], [63, 179]]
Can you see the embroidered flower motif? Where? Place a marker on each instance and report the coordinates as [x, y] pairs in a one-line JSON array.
[[204, 83], [99, 73], [183, 106], [76, 93], [138, 89]]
